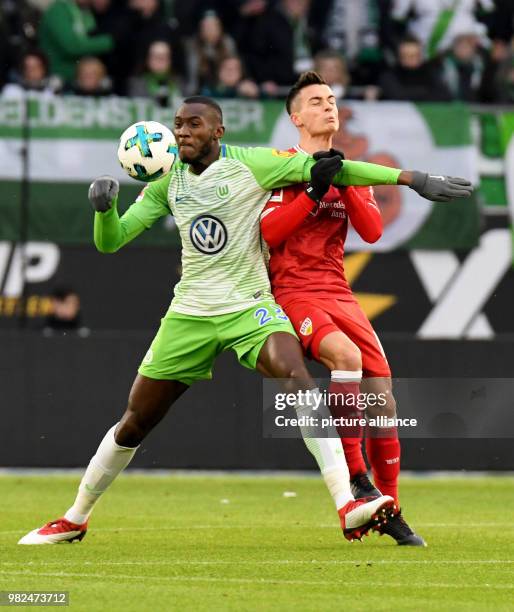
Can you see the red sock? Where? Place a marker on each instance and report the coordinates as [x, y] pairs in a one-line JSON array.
[[346, 384], [383, 451]]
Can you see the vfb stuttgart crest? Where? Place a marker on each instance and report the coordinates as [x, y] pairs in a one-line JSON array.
[[208, 234], [306, 327]]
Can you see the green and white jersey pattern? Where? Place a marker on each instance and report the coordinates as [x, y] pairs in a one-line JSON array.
[[217, 214]]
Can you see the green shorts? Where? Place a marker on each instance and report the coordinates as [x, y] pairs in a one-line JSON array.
[[186, 346]]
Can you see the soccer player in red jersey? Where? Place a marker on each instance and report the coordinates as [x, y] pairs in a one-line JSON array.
[[305, 227]]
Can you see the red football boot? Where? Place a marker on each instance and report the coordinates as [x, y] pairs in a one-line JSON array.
[[361, 515], [60, 530]]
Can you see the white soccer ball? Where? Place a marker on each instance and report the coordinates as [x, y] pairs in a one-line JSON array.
[[147, 150]]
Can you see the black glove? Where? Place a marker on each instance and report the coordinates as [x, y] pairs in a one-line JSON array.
[[326, 154], [440, 188], [102, 192], [322, 175]]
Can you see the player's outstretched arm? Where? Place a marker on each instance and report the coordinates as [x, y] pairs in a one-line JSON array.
[[112, 232], [431, 187], [274, 169]]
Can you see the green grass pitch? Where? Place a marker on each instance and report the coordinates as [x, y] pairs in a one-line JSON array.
[[237, 543]]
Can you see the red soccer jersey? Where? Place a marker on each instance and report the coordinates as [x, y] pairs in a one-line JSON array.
[[306, 240]]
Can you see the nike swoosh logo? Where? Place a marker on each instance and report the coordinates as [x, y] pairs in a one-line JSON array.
[[91, 490], [180, 199]]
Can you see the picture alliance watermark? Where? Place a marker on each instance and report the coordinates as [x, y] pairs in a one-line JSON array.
[[342, 422], [420, 408], [319, 417]]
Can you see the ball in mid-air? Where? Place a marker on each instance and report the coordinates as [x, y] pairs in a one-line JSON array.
[[147, 150]]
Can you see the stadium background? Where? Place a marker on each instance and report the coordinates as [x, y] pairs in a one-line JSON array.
[[438, 290]]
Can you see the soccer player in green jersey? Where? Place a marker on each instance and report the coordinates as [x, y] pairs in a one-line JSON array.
[[223, 300]]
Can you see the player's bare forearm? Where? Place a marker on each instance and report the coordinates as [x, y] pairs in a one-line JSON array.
[[405, 178]]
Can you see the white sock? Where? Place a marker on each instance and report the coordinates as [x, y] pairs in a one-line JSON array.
[[346, 375], [110, 459], [328, 452]]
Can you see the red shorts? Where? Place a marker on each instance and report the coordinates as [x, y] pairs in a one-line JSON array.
[[316, 318]]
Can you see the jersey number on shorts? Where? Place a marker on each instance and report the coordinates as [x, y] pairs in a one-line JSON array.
[[264, 315]]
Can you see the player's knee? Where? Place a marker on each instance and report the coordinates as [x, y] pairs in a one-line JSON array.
[[133, 428], [297, 372], [390, 406], [346, 356], [293, 370], [385, 406], [127, 434]]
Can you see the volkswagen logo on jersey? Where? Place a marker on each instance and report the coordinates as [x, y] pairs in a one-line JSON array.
[[208, 234]]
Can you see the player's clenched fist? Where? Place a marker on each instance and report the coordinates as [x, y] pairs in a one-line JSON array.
[[322, 175], [103, 192]]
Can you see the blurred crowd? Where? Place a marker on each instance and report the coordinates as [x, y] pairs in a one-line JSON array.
[[419, 50]]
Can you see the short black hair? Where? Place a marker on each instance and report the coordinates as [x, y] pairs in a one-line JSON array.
[[61, 292], [207, 102], [304, 80], [409, 39], [33, 52], [329, 54]]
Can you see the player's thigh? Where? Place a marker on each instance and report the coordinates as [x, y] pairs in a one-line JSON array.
[[184, 349], [312, 323], [350, 319], [264, 339], [336, 351], [281, 357]]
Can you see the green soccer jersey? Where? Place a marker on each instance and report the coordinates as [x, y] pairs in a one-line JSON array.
[[217, 214]]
